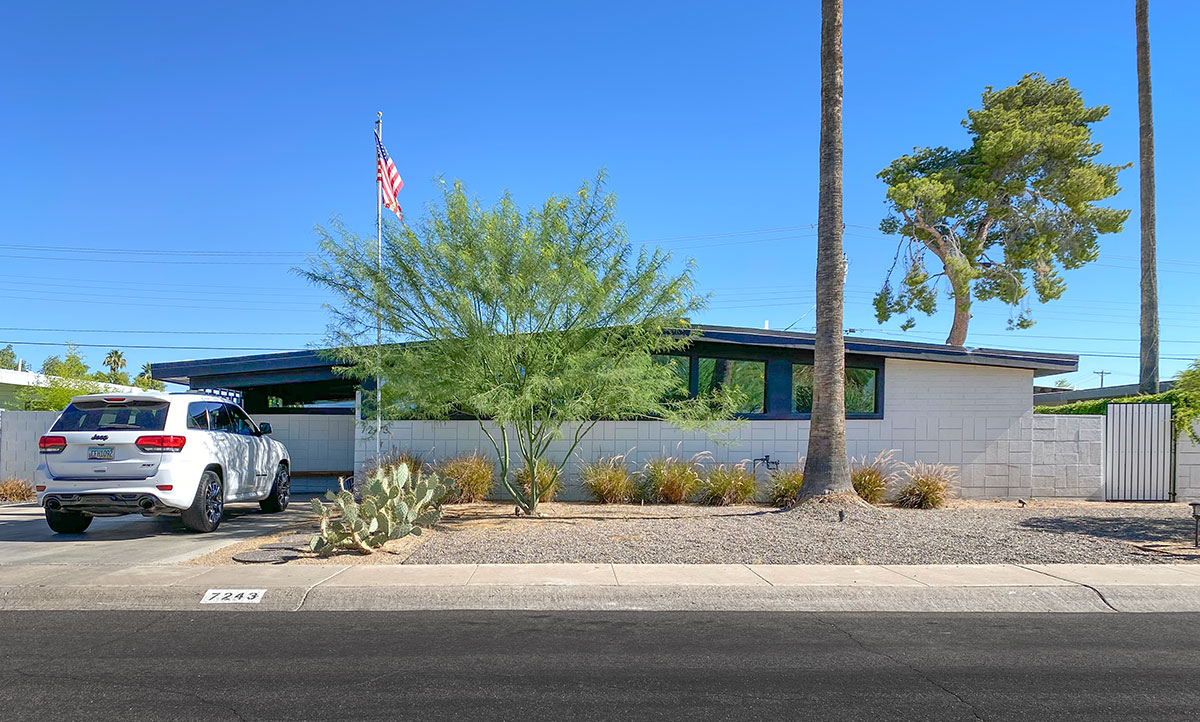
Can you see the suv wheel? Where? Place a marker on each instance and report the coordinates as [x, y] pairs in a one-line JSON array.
[[281, 492], [67, 522], [204, 515]]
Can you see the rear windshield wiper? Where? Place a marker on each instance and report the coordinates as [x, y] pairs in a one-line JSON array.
[[118, 426]]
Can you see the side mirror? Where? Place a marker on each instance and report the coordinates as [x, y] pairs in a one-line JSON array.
[[264, 428]]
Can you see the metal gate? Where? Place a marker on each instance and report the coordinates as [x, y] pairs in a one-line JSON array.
[[1139, 447]]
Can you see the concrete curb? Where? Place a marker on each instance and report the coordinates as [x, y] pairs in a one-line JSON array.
[[712, 587]]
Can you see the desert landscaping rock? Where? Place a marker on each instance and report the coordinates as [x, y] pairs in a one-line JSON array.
[[1088, 533]]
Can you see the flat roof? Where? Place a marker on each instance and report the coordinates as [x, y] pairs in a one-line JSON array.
[[311, 367]]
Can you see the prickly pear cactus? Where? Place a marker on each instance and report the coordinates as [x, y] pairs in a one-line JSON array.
[[393, 505]]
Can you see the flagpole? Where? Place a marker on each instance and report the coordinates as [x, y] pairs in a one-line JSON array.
[[378, 310]]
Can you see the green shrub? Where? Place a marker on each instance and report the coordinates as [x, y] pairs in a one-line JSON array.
[[549, 480], [470, 477], [926, 486], [16, 490], [871, 479], [669, 479], [394, 459], [608, 480], [393, 505], [785, 486], [728, 484]]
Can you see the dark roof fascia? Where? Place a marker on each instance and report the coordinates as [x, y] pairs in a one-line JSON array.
[[1042, 363], [309, 365], [181, 371]]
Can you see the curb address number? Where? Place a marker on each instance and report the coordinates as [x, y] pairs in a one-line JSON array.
[[233, 596]]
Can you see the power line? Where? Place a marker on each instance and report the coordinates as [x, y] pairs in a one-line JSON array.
[[161, 348], [148, 331]]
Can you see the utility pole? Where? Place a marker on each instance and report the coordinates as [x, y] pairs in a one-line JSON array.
[[1148, 353], [1102, 374]]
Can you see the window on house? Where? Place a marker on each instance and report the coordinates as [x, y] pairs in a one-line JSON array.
[[681, 366], [749, 377], [861, 385]]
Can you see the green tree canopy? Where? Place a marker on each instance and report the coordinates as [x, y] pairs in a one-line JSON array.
[[66, 378], [8, 357], [535, 320], [1004, 216]]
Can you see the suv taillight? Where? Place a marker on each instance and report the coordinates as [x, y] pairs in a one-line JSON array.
[[52, 444], [160, 443]]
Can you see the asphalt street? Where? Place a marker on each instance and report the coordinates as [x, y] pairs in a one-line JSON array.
[[597, 665]]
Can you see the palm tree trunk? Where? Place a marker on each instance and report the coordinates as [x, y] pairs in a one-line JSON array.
[[1148, 373], [826, 469]]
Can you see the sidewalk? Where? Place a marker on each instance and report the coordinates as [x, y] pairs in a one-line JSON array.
[[732, 587]]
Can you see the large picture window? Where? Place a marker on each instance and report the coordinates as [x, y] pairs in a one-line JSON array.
[[749, 377], [861, 386], [681, 366]]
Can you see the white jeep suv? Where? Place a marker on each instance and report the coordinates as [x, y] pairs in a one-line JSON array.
[[156, 453]]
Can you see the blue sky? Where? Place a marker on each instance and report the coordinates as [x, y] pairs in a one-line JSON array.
[[162, 169]]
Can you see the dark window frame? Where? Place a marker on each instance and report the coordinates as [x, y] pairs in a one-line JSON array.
[[777, 396]]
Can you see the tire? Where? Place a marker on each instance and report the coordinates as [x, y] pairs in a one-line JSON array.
[[67, 522], [281, 492], [204, 515]]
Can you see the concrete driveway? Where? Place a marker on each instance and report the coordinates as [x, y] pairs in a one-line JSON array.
[[134, 539]]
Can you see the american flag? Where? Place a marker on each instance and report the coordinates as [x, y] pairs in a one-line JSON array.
[[388, 177]]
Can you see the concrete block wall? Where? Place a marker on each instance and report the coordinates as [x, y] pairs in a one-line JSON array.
[[976, 418], [19, 432], [1187, 468], [1068, 456], [315, 442]]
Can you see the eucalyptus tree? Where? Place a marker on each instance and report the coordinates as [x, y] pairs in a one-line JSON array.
[[1004, 216], [535, 323]]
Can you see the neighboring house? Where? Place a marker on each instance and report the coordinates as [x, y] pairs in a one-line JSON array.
[[968, 407], [13, 381], [1059, 397]]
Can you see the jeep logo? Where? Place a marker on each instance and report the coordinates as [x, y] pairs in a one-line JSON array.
[[100, 437]]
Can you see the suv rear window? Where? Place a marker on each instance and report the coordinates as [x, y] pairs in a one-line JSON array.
[[102, 416]]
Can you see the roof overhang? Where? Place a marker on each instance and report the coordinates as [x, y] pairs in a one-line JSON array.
[[1041, 363]]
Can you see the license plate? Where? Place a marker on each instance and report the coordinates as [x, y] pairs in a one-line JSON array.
[[100, 453]]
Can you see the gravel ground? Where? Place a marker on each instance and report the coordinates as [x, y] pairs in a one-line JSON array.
[[1093, 533]]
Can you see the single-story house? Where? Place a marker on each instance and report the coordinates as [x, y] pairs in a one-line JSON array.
[[971, 408], [13, 381]]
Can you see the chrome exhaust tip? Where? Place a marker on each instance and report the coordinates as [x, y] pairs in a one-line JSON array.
[[53, 504], [146, 503]]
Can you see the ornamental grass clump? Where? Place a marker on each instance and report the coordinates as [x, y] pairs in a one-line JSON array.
[[926, 486], [726, 484], [470, 477], [669, 479], [608, 480], [785, 486], [871, 479], [392, 504], [549, 479], [16, 490]]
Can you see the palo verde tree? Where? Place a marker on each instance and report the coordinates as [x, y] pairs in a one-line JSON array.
[[1004, 216], [537, 323]]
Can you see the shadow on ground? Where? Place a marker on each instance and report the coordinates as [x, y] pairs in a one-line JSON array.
[[1130, 529]]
